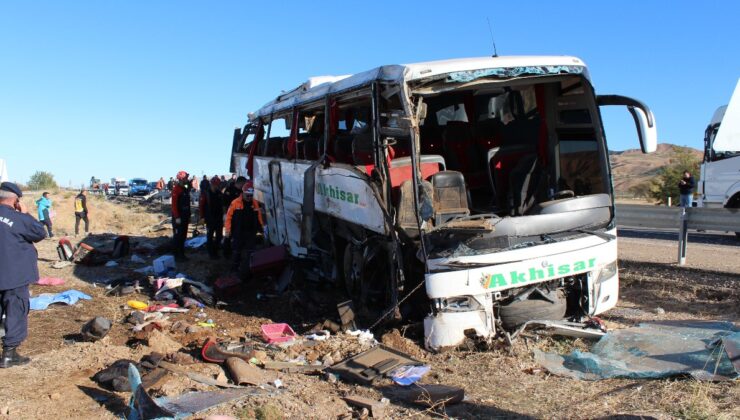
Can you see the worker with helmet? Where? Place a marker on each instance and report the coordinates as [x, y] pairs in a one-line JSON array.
[[243, 223], [180, 214]]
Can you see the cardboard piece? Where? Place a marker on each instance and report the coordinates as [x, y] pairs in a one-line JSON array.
[[369, 365]]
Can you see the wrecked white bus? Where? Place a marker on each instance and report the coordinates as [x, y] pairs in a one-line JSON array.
[[483, 181]]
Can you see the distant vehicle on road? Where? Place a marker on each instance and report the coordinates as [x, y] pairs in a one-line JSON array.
[[118, 186], [720, 171], [138, 186]]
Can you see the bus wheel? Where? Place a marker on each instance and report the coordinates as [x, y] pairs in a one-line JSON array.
[[353, 270], [364, 267]]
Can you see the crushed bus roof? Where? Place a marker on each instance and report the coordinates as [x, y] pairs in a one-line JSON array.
[[462, 69]]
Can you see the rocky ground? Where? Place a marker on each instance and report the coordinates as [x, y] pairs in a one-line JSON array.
[[497, 382]]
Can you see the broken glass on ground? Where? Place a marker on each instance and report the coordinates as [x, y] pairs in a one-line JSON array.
[[705, 350]]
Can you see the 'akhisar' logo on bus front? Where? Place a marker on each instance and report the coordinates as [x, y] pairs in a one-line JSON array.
[[338, 194], [490, 281]]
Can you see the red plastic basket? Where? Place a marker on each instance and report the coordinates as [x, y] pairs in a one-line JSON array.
[[277, 333]]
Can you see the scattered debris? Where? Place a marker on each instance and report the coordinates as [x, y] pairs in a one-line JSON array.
[[654, 350], [195, 376], [137, 304], [268, 261], [137, 259], [111, 263], [61, 264], [244, 373], [148, 270], [50, 281], [96, 328], [196, 242], [277, 333], [376, 408], [347, 315], [409, 374], [429, 395], [593, 330], [163, 264], [69, 297], [372, 364], [215, 352]]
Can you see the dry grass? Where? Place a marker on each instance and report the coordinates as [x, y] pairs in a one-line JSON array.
[[104, 215]]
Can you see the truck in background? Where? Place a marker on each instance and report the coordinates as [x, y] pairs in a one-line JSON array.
[[118, 186], [720, 169], [138, 186]]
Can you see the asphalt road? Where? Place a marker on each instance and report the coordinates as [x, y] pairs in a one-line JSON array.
[[709, 238], [713, 251]]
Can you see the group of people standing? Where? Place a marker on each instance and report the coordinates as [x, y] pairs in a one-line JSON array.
[[231, 216], [46, 213]]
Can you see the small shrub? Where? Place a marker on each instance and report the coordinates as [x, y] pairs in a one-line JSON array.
[[41, 180]]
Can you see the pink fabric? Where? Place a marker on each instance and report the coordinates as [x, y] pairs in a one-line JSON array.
[[50, 281]]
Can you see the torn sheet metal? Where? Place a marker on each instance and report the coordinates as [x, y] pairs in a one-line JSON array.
[[702, 349], [568, 329], [470, 75]]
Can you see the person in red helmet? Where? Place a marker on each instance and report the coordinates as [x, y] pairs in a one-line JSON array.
[[243, 222], [211, 208], [180, 214]]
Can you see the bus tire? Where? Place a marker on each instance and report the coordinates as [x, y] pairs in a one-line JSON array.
[[519, 312]]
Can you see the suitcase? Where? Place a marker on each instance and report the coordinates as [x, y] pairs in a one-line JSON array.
[[83, 254], [65, 250], [268, 261]]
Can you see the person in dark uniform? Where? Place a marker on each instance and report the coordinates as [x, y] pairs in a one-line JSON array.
[[180, 214], [18, 268], [212, 211], [81, 211], [242, 225], [686, 189]]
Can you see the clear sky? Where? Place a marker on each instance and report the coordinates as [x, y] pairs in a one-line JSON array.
[[145, 88]]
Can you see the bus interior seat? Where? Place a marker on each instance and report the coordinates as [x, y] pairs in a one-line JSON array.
[[401, 171], [311, 147], [343, 148], [459, 145], [275, 146], [450, 196], [362, 149], [526, 182], [406, 217]]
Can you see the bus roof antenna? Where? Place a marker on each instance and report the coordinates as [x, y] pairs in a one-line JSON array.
[[495, 53]]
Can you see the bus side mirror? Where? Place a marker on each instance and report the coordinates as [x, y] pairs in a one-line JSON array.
[[643, 116], [647, 132]]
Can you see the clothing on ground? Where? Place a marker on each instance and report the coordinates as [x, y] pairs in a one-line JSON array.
[[69, 297]]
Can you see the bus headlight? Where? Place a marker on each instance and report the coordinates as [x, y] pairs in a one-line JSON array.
[[608, 271]]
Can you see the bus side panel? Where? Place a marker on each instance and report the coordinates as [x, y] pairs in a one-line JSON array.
[[347, 195], [340, 192], [263, 194], [292, 201]]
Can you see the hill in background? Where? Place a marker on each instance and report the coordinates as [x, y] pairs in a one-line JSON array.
[[631, 167]]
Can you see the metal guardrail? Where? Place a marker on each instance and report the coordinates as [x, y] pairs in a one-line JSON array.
[[681, 219]]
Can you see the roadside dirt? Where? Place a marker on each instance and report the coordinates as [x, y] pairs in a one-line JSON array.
[[497, 383]]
